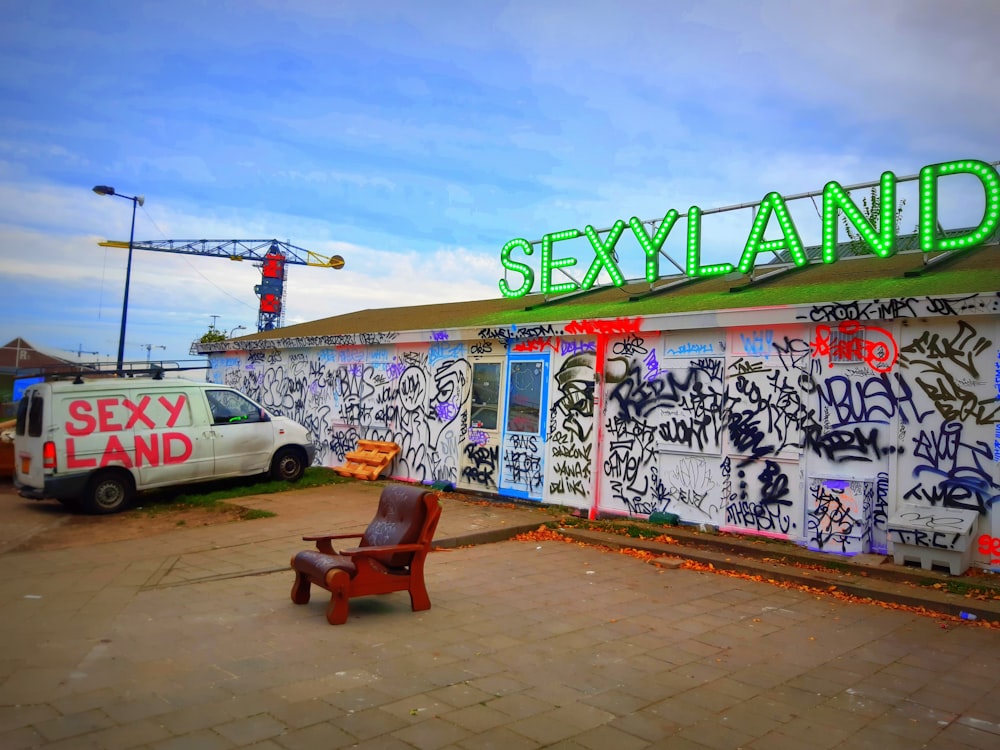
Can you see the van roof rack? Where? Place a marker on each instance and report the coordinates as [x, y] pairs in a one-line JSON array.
[[155, 370]]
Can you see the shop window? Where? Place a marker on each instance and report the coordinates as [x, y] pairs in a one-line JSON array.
[[524, 396], [485, 394]]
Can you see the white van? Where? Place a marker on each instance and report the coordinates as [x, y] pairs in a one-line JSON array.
[[94, 443]]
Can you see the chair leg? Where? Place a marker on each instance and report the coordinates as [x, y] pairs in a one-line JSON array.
[[300, 589], [419, 599], [338, 582]]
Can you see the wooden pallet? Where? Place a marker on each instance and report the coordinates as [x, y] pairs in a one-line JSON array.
[[370, 459]]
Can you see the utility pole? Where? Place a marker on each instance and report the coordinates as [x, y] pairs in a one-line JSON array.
[[137, 200]]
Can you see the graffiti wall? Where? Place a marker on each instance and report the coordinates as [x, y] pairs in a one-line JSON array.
[[663, 425], [814, 430], [838, 515], [415, 397], [480, 462], [569, 457], [766, 412], [948, 458]]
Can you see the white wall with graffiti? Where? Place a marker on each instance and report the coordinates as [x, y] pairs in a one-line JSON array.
[[815, 425]]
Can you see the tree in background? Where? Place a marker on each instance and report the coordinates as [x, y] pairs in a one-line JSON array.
[[871, 208], [211, 336]]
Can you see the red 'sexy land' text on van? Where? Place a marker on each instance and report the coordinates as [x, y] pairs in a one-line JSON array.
[[84, 422]]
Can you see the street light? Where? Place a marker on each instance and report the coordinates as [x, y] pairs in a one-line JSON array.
[[136, 200], [238, 328]]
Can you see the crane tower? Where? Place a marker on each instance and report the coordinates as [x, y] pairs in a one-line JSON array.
[[271, 291], [272, 257]]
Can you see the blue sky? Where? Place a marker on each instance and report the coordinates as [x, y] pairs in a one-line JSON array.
[[416, 138]]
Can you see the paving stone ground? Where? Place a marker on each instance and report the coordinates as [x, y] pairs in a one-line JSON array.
[[189, 640]]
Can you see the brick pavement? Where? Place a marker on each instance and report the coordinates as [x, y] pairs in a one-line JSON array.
[[189, 640]]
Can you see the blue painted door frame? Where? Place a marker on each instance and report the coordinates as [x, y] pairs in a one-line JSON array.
[[522, 458]]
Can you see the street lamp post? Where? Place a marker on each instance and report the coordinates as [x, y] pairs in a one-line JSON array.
[[137, 200], [237, 328]]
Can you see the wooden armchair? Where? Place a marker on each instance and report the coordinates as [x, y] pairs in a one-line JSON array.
[[390, 556]]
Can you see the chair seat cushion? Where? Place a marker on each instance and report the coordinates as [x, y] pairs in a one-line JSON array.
[[316, 564]]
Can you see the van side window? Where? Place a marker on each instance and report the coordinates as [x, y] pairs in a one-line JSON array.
[[35, 416], [230, 407]]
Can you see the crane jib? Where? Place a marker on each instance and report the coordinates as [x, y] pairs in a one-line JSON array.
[[271, 255]]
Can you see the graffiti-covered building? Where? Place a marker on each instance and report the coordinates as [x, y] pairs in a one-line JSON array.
[[846, 398]]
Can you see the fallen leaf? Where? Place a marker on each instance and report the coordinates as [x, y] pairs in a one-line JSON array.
[[543, 533]]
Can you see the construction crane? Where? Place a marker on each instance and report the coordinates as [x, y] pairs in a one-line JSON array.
[[271, 256], [80, 352], [149, 348]]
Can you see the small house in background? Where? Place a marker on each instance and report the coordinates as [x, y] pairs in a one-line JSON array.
[[20, 363], [19, 360], [23, 363], [848, 402]]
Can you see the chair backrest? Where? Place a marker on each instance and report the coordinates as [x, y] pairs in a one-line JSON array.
[[404, 512]]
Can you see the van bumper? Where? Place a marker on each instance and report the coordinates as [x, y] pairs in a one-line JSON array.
[[57, 488], [310, 454]]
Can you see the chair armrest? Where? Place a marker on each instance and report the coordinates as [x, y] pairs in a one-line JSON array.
[[316, 537], [323, 541]]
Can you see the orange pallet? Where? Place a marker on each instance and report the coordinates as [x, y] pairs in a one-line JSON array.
[[369, 460], [7, 448]]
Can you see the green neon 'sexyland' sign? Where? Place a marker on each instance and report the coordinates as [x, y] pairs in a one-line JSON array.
[[836, 201]]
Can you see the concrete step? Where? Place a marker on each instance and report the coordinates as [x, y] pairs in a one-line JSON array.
[[865, 576]]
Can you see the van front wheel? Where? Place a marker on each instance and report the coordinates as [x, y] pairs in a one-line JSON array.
[[288, 465], [109, 492]]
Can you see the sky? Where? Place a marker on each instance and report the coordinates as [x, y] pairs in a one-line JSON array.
[[416, 138]]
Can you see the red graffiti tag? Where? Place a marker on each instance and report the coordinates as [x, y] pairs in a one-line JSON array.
[[990, 545], [853, 342], [618, 325], [538, 345]]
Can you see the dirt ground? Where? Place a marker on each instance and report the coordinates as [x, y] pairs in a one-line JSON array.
[[82, 530], [47, 524], [30, 525]]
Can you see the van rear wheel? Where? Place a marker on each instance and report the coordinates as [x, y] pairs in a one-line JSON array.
[[288, 465], [109, 492]]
